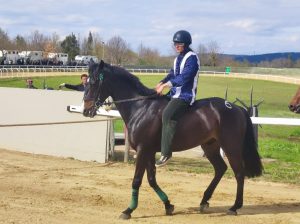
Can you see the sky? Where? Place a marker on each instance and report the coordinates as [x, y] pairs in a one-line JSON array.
[[238, 26]]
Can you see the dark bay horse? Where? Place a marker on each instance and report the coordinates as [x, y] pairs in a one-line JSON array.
[[211, 123], [295, 103]]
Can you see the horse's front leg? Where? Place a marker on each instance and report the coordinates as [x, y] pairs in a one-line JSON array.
[[151, 175], [141, 162]]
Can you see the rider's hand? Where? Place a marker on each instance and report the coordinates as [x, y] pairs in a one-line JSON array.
[[160, 88], [158, 85]]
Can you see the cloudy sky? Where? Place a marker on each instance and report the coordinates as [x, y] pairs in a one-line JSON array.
[[238, 26]]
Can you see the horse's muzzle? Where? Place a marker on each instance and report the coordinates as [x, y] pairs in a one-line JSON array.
[[90, 112], [89, 109]]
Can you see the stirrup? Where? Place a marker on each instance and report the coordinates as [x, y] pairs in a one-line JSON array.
[[162, 161]]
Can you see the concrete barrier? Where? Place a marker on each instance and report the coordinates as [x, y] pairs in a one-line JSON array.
[[84, 141]]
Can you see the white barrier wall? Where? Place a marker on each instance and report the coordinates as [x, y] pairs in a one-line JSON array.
[[83, 141]]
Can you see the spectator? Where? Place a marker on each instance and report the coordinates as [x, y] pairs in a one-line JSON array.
[[29, 84], [79, 87]]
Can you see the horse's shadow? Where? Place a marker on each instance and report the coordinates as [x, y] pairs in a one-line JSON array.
[[246, 210]]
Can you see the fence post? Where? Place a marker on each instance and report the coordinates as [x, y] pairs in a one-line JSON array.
[[127, 145], [254, 113]]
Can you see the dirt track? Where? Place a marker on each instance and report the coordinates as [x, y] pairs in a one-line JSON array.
[[44, 189]]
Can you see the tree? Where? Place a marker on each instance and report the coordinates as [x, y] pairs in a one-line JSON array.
[[52, 45], [70, 46], [99, 46], [148, 56], [37, 41], [213, 53], [203, 55], [20, 43], [5, 43], [117, 50], [88, 45], [297, 64]]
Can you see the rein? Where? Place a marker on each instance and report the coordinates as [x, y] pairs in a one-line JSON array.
[[99, 104], [126, 100]]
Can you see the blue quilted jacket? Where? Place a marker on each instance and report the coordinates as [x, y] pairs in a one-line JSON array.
[[183, 78]]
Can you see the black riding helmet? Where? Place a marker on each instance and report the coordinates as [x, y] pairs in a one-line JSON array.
[[182, 36]]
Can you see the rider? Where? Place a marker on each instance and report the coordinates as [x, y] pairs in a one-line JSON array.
[[182, 81]]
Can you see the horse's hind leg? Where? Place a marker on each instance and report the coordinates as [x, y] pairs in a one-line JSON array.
[[236, 163], [212, 152], [151, 175]]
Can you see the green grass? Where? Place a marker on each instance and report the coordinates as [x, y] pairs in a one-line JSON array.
[[51, 81], [279, 146]]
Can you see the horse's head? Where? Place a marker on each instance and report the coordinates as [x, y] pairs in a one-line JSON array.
[[95, 92], [294, 105]]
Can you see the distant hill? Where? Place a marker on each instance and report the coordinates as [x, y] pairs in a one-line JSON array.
[[265, 57]]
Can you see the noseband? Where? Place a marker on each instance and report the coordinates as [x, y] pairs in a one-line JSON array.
[[92, 81]]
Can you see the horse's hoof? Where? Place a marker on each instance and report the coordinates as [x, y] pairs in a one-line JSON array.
[[125, 216], [170, 210], [230, 212], [203, 207]]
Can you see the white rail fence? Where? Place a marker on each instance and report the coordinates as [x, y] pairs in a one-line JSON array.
[[26, 71], [255, 121], [276, 121], [32, 71]]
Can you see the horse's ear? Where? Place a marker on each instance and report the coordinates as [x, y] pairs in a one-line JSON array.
[[101, 64]]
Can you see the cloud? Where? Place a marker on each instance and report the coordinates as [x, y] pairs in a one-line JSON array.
[[238, 26], [248, 25]]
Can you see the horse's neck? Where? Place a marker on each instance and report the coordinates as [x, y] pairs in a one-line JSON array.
[[126, 108]]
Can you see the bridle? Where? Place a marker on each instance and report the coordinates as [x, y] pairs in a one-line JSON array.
[[109, 103], [97, 103], [97, 99]]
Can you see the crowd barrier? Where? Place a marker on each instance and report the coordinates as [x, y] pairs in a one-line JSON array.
[[37, 121]]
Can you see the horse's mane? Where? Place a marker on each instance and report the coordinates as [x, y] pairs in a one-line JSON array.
[[127, 77]]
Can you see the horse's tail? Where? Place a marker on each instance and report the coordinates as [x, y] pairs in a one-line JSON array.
[[252, 161]]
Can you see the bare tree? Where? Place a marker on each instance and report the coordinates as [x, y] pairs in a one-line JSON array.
[[5, 42], [203, 54], [37, 41], [148, 56], [281, 63], [117, 50], [98, 46], [52, 45], [55, 42], [213, 53]]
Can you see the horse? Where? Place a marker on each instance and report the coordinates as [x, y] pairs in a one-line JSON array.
[[211, 123], [294, 105]]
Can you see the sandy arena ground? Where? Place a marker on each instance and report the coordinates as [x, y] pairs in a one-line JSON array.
[[44, 189]]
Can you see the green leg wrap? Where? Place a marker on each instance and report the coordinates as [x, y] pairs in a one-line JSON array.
[[162, 195], [134, 199]]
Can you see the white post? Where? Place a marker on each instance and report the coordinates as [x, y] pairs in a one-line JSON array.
[[127, 146]]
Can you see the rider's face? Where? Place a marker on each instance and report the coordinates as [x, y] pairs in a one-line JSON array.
[[179, 47]]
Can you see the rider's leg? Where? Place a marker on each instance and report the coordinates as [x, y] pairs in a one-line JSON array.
[[171, 114]]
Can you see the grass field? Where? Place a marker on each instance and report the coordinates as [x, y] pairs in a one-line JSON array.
[[278, 145]]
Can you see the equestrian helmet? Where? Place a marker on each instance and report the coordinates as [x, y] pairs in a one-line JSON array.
[[182, 36]]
